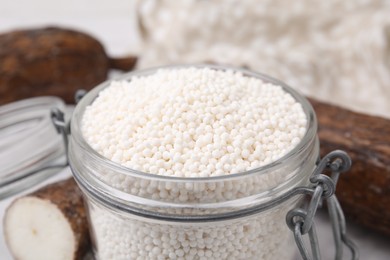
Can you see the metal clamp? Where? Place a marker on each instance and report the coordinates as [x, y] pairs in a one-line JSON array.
[[63, 128], [301, 221], [58, 120]]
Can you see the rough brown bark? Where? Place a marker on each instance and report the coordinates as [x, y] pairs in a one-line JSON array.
[[52, 61], [364, 191], [68, 198]]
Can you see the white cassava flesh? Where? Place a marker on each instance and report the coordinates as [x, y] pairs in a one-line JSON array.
[[36, 229], [49, 224]]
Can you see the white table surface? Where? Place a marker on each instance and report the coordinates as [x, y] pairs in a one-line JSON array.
[[113, 24]]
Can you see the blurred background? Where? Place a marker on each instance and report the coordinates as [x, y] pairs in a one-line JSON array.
[[112, 23], [335, 51]]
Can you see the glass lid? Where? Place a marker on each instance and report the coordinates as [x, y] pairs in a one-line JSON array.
[[29, 143]]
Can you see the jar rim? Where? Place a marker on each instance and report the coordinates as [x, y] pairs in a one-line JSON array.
[[77, 136]]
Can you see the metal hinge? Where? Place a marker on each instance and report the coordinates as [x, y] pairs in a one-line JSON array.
[[301, 221]]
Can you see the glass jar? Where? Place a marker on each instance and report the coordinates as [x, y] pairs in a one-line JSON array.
[[146, 216]]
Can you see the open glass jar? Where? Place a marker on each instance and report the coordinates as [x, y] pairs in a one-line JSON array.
[[146, 216]]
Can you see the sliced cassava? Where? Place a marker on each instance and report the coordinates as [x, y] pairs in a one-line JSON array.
[[48, 224], [364, 191], [52, 61]]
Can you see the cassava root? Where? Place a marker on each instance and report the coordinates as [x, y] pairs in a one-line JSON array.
[[50, 223], [53, 62], [363, 191]]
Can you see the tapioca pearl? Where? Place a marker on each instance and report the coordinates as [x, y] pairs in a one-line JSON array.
[[222, 138]]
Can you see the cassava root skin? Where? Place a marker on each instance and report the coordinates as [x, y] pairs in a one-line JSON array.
[[363, 191], [58, 203], [52, 61]]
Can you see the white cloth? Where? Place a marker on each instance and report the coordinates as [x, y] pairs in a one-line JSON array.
[[333, 50]]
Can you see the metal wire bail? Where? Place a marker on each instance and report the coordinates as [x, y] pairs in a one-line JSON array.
[[301, 221]]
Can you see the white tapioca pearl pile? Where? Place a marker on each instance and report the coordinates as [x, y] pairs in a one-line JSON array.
[[193, 123], [258, 237]]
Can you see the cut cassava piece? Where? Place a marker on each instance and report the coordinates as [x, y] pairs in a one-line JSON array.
[[364, 191], [52, 61], [50, 223]]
